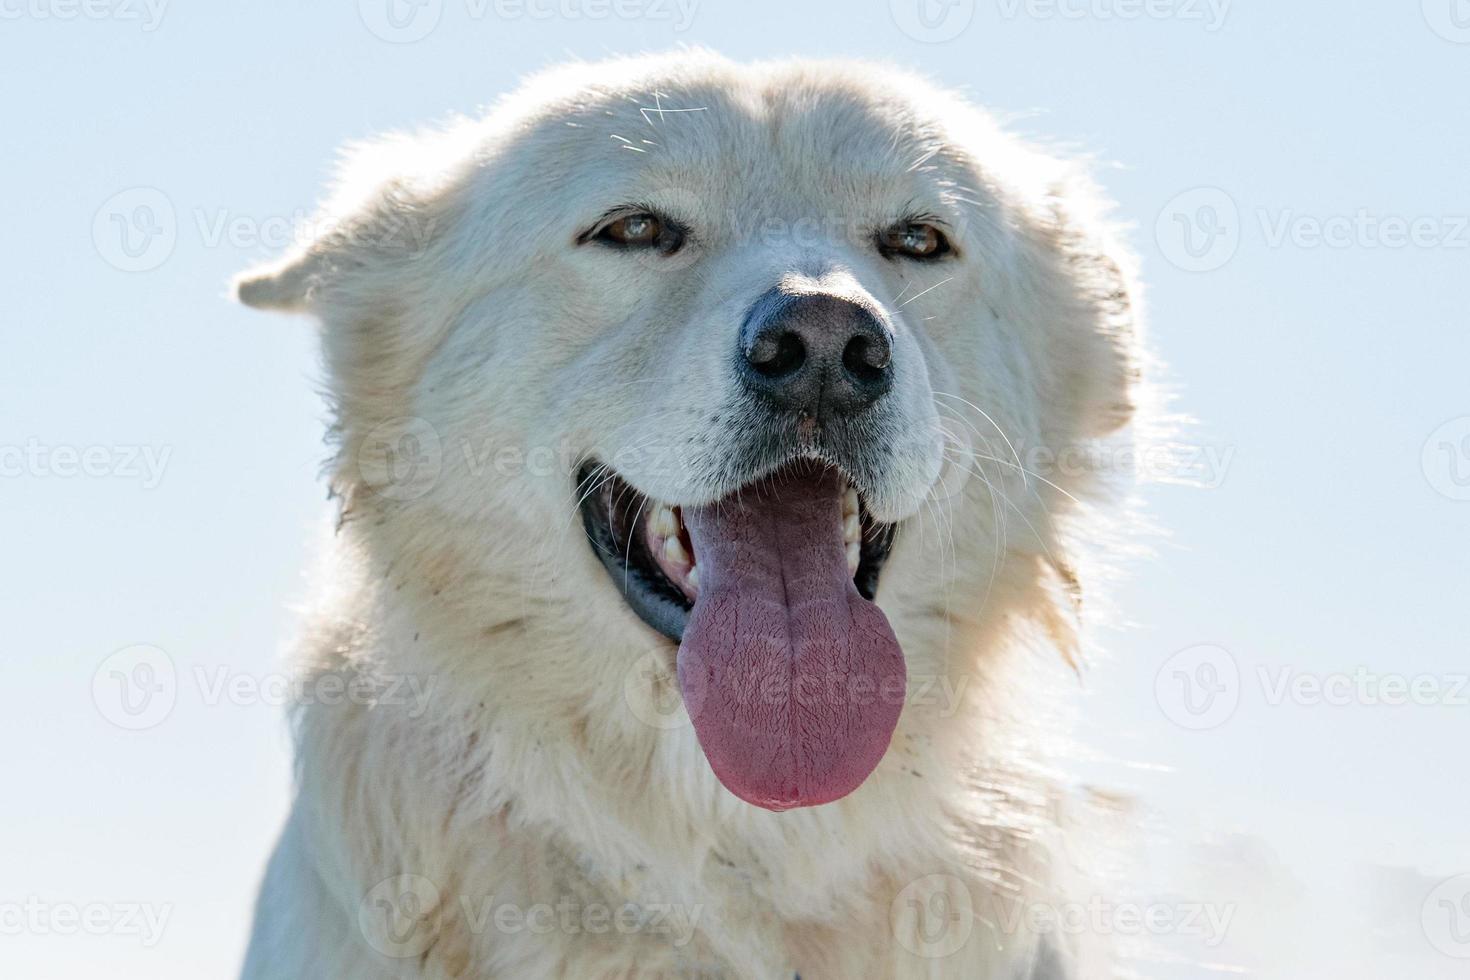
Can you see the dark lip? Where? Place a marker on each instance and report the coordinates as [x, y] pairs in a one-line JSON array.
[[613, 513]]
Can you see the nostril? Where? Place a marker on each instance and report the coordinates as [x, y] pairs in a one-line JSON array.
[[775, 356], [866, 358]]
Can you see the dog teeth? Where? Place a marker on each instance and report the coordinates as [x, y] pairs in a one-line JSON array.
[[667, 528], [665, 522], [666, 531], [674, 552], [852, 529]]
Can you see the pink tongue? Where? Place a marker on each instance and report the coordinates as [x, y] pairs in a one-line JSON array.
[[794, 680]]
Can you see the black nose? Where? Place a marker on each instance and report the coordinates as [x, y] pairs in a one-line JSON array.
[[817, 355]]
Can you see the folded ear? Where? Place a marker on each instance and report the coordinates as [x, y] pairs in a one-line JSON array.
[[376, 267], [284, 285], [383, 214], [382, 234]]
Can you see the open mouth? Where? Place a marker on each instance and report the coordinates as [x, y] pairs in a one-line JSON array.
[[651, 557], [791, 674]]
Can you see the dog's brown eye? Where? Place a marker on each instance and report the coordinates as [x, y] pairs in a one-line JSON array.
[[635, 229], [913, 240], [640, 230]]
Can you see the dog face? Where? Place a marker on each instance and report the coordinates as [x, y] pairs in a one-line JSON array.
[[743, 326]]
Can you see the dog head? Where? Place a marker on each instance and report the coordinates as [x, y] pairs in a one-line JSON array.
[[745, 329]]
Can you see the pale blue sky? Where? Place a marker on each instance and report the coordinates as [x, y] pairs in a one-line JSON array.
[[1328, 371]]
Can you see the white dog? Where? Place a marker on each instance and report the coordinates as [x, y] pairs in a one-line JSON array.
[[693, 428]]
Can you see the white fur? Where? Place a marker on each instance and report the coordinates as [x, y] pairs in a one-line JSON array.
[[458, 310]]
